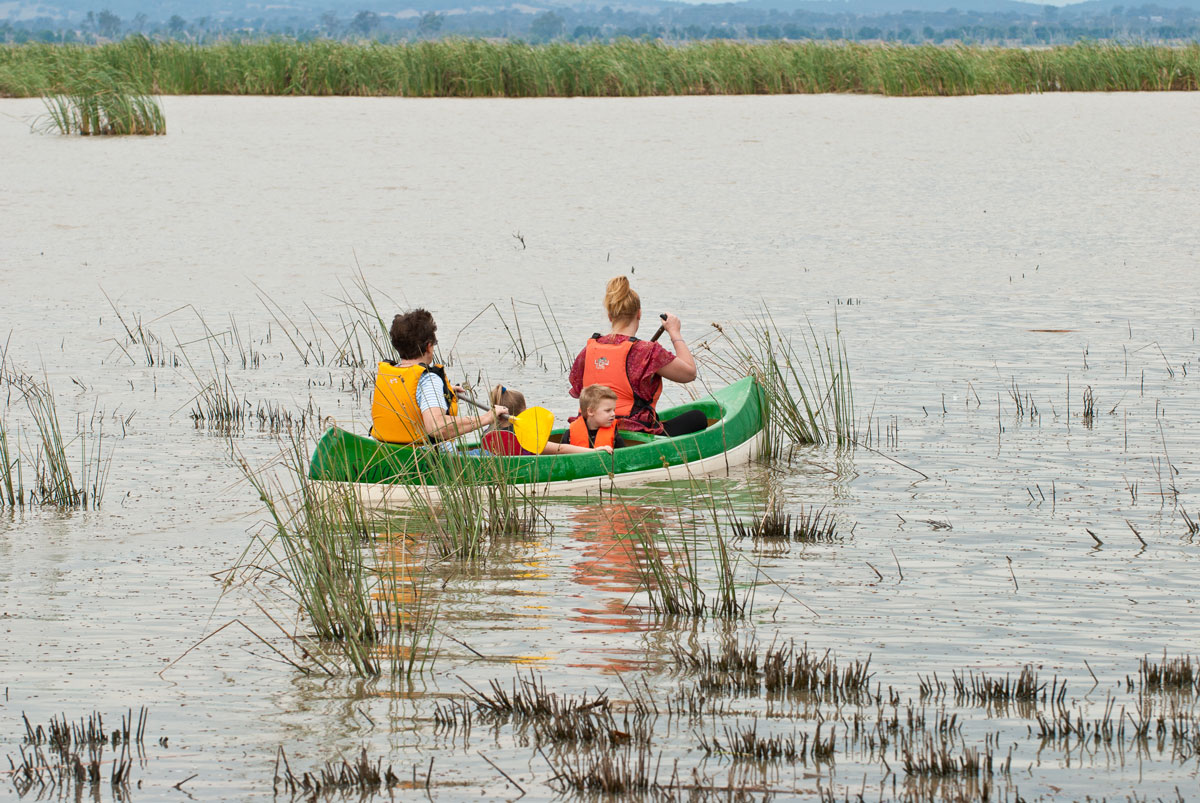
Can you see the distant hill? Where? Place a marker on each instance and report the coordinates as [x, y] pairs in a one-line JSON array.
[[583, 19], [897, 6], [1093, 7]]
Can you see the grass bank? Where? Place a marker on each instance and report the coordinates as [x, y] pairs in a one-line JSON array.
[[476, 68]]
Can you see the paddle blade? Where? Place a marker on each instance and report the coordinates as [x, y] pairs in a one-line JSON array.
[[532, 428]]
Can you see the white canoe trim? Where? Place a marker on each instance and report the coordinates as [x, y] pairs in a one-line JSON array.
[[384, 496]]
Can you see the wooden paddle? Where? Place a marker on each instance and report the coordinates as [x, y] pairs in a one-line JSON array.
[[532, 427], [661, 329]]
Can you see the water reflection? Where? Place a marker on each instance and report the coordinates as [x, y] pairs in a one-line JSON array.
[[606, 535]]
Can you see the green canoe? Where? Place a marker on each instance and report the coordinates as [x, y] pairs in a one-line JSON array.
[[385, 472]]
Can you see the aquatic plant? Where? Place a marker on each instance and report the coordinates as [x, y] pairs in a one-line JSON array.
[[673, 563], [745, 743], [733, 668], [1026, 688], [798, 671], [53, 481], [625, 68], [473, 501], [809, 526], [100, 102], [738, 667], [319, 538], [809, 397], [76, 756], [154, 351], [362, 777], [11, 493], [1172, 674]]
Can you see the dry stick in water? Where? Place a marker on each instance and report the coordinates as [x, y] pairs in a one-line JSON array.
[[901, 571], [1094, 538], [292, 639], [502, 772], [1136, 533], [1093, 674], [222, 627], [1011, 572]]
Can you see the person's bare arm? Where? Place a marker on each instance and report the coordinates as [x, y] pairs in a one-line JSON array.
[[570, 448], [442, 426]]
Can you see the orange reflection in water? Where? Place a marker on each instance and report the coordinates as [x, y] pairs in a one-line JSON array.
[[607, 537], [397, 597]]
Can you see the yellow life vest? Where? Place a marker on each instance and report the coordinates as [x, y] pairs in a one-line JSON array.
[[395, 415]]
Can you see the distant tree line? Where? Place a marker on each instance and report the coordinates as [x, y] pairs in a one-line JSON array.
[[1052, 25]]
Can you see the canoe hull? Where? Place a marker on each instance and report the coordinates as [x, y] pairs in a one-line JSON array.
[[395, 496], [391, 475]]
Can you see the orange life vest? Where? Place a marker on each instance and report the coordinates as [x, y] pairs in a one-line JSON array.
[[395, 415], [605, 436], [608, 365]]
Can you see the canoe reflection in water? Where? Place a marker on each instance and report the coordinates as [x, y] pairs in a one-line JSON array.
[[606, 535]]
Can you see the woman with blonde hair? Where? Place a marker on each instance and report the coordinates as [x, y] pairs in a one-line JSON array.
[[636, 368]]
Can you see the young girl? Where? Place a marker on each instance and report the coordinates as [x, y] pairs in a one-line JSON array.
[[514, 402]]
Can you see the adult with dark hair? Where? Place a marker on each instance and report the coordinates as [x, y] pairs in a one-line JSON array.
[[636, 368], [413, 402]]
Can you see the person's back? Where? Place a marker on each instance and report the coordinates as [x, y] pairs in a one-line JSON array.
[[413, 402], [634, 369]]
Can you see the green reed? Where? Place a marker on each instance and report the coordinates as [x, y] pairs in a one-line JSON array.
[[476, 502], [11, 494], [672, 562], [809, 394], [478, 68], [320, 539], [99, 102], [48, 455]]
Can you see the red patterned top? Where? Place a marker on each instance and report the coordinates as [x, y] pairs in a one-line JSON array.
[[646, 359]]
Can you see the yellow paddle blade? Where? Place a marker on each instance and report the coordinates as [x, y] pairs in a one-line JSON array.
[[532, 428]]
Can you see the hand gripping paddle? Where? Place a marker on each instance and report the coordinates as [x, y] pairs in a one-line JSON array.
[[661, 329]]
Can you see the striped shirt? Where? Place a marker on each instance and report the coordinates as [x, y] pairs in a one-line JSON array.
[[430, 396], [431, 392]]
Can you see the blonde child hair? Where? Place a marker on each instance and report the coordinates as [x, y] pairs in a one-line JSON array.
[[514, 400], [591, 396], [620, 301]]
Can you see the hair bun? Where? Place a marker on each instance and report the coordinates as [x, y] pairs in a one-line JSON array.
[[620, 301]]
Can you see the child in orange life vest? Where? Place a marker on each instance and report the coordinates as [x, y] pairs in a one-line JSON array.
[[514, 401], [596, 425]]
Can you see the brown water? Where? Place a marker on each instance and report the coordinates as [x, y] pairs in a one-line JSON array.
[[959, 231]]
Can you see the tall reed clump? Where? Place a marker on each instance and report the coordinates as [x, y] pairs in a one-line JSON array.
[[11, 493], [478, 499], [102, 103], [624, 68], [360, 600], [47, 457], [809, 395], [687, 568]]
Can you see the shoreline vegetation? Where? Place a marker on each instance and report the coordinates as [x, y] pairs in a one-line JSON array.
[[474, 68]]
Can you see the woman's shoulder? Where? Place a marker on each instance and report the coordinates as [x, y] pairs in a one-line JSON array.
[[652, 353]]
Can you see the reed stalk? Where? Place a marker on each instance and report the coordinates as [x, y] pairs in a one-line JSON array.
[[625, 68], [54, 481], [809, 396], [10, 493], [101, 102], [362, 598], [688, 570], [477, 502]]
